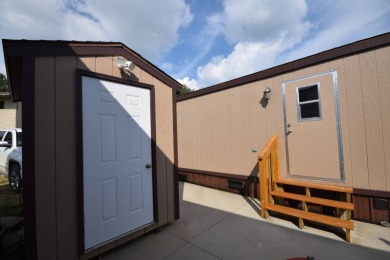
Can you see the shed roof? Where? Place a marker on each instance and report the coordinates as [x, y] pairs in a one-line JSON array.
[[368, 44], [16, 50]]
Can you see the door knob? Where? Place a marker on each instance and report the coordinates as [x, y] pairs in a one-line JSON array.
[[148, 166], [289, 125], [289, 131]]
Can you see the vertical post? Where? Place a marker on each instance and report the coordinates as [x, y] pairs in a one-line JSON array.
[[263, 188], [275, 160], [348, 217]]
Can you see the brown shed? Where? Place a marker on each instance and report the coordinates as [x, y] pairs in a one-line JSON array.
[[330, 110], [99, 155]]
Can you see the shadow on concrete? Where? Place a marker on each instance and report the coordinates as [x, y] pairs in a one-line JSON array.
[[205, 232]]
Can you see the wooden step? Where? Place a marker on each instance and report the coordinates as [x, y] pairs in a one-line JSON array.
[[332, 221], [314, 200], [315, 186]]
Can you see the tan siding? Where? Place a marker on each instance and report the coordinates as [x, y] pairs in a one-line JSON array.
[[7, 118], [220, 135], [338, 66], [372, 112], [160, 158], [45, 177], [87, 63], [104, 65], [356, 122], [66, 168], [316, 69], [216, 132], [383, 65], [146, 77], [169, 152]]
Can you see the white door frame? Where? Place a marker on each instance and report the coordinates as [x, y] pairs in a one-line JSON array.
[[80, 166]]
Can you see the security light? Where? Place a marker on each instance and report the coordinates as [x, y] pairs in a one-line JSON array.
[[125, 65]]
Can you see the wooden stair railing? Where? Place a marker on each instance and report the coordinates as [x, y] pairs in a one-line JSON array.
[[272, 194]]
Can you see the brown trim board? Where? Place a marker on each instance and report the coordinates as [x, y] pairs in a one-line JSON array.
[[371, 193], [28, 153], [80, 161], [336, 53]]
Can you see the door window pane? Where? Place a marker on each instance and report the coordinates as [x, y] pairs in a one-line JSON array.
[[308, 94], [310, 110], [309, 105]]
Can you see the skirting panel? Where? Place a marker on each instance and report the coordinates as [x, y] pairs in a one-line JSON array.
[[370, 206], [244, 185]]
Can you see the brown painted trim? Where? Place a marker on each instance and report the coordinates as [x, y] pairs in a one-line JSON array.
[[326, 56], [371, 193], [79, 75], [154, 151], [105, 77], [175, 162], [218, 174], [80, 161], [28, 153], [16, 48]]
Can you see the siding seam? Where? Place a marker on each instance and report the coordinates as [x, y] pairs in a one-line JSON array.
[[381, 116], [364, 119]]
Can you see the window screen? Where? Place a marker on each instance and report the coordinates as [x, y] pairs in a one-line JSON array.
[[309, 105]]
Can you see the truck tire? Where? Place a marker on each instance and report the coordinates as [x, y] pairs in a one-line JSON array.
[[15, 182]]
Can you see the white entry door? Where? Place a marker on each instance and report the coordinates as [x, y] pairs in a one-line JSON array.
[[118, 187]]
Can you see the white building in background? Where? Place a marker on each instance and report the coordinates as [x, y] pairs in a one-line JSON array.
[[9, 111]]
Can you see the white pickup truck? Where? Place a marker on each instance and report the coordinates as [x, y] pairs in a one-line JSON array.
[[11, 156]]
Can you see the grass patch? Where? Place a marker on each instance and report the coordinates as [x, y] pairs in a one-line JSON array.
[[9, 201]]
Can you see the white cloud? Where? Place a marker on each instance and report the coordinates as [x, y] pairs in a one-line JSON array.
[[265, 20], [246, 58], [204, 41], [149, 27], [345, 24], [191, 83], [267, 33], [260, 30]]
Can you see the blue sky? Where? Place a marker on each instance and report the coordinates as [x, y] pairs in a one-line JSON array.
[[201, 42]]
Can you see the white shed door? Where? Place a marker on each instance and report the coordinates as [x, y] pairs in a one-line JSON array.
[[118, 189]]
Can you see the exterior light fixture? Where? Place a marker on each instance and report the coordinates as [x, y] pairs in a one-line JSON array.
[[125, 65], [267, 93]]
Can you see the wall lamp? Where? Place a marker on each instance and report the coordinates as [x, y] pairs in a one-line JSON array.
[[267, 93], [125, 65]]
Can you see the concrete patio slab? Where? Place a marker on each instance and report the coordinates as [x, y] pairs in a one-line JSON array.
[[149, 246], [194, 221], [219, 225], [190, 252]]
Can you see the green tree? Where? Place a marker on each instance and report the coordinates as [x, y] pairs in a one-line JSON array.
[[185, 89], [4, 87]]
